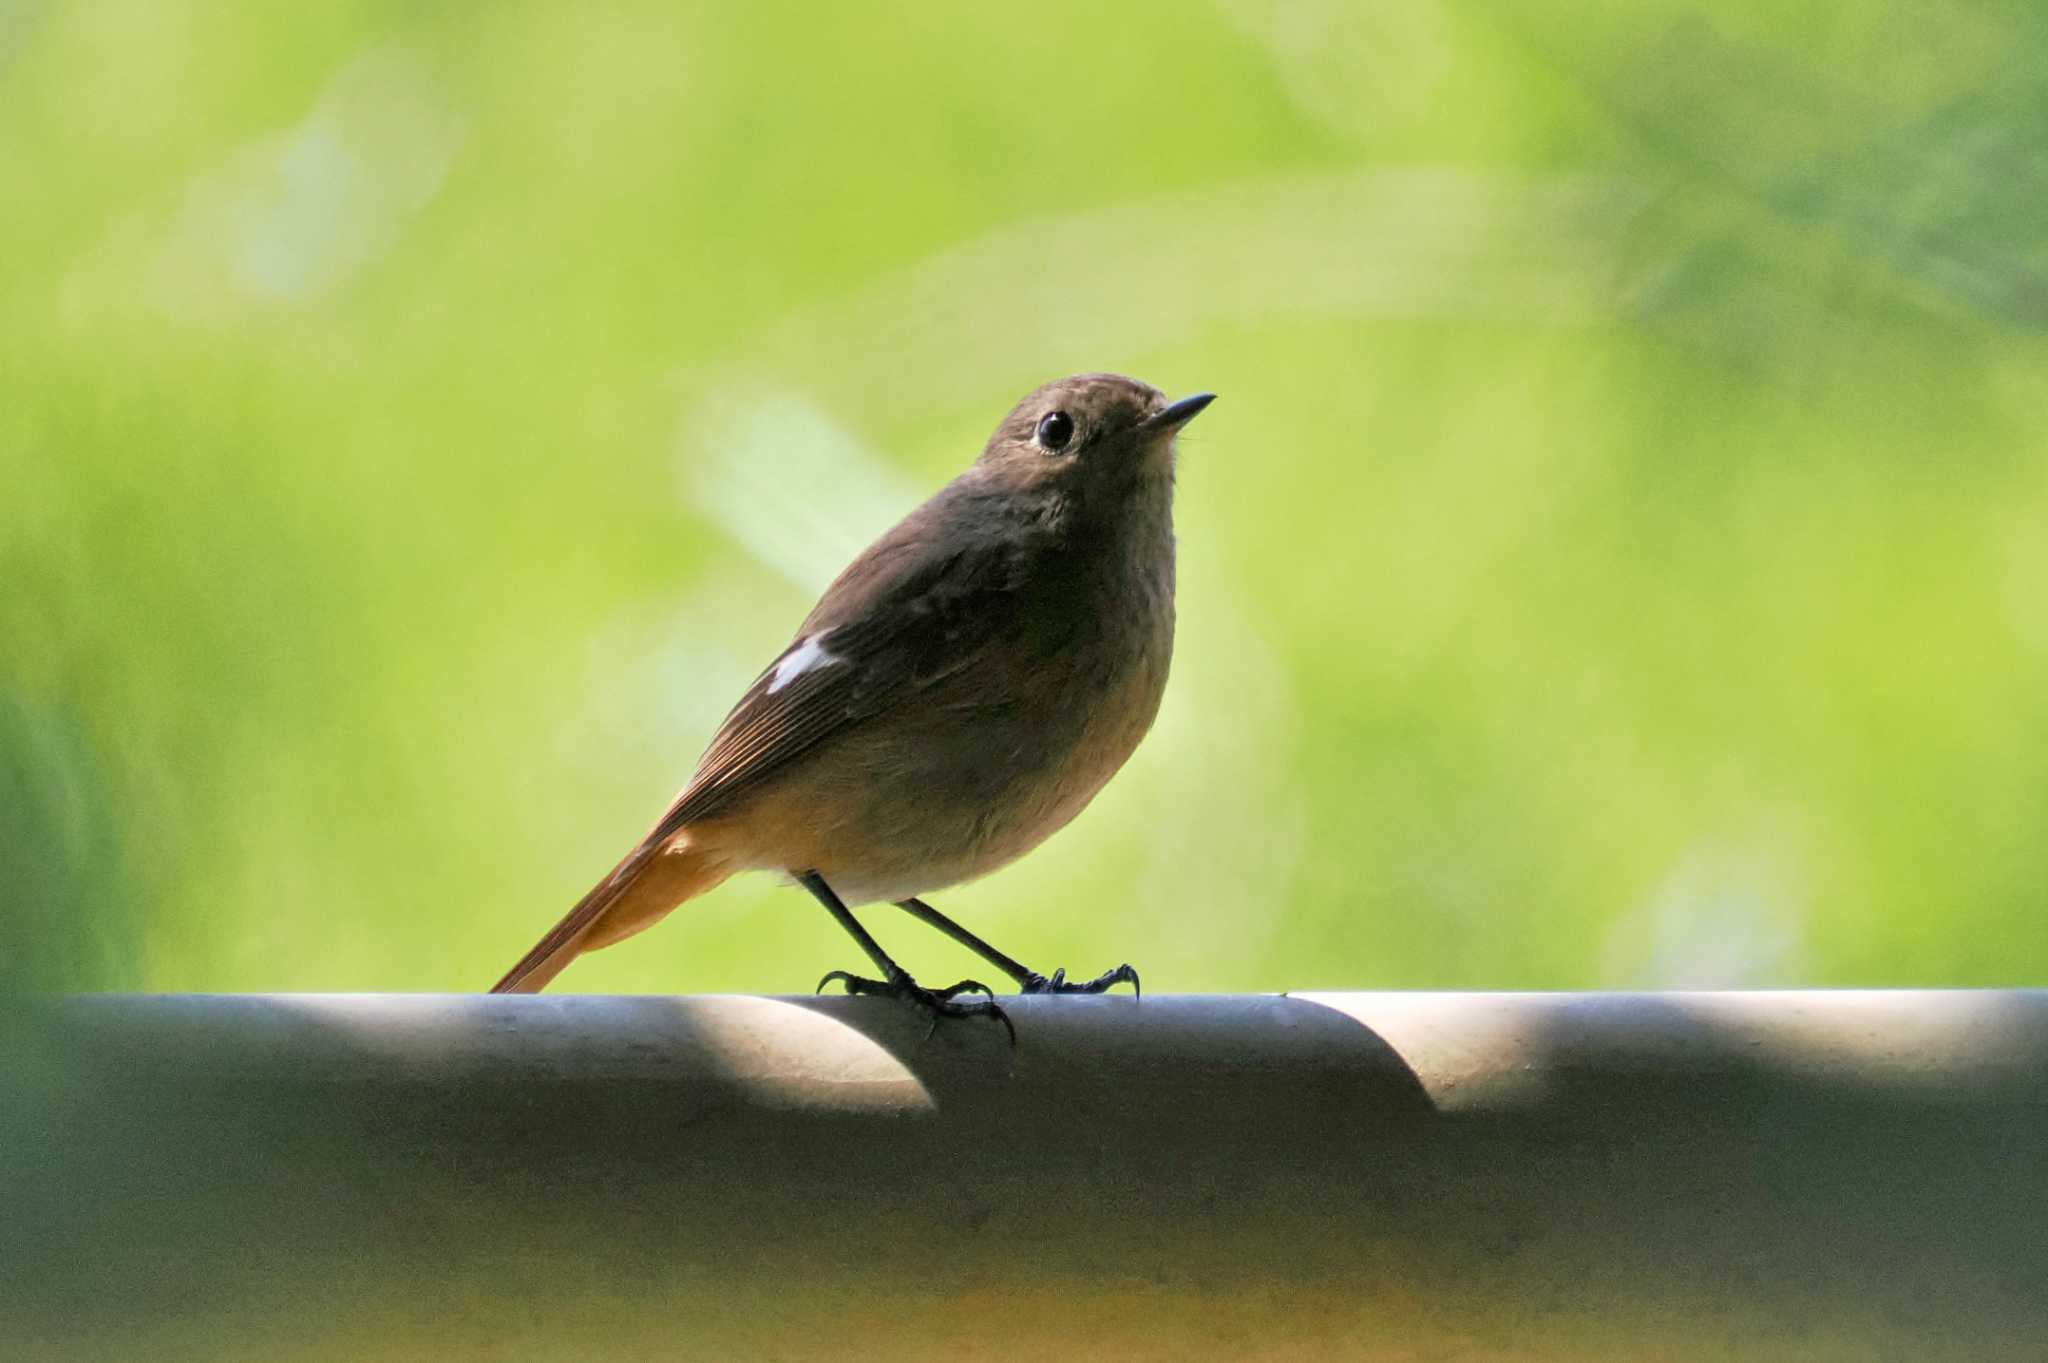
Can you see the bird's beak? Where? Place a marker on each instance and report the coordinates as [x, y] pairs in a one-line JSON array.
[[1175, 415]]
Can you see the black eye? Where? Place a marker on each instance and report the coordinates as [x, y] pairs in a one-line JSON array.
[[1055, 429]]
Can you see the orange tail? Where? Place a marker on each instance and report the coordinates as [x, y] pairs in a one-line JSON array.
[[640, 892]]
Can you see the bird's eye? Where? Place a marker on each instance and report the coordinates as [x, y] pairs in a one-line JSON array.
[[1055, 429]]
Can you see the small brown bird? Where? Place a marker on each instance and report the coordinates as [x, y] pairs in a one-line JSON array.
[[959, 694]]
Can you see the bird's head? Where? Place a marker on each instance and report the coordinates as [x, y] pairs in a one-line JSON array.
[[1092, 438]]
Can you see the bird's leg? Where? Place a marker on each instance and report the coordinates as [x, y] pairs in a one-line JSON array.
[[896, 981], [1028, 980]]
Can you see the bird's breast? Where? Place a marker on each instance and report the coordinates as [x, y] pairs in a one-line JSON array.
[[989, 762]]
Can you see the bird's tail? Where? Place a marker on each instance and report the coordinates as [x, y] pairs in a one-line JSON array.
[[639, 893]]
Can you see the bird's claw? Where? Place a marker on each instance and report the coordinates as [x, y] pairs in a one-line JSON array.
[[936, 1003], [1057, 982]]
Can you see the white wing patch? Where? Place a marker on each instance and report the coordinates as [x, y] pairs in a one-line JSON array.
[[805, 657]]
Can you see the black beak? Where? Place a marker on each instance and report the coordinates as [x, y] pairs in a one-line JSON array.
[[1175, 415]]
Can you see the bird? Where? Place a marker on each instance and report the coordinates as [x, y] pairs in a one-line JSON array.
[[959, 693]]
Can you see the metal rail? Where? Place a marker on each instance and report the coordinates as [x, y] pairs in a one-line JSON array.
[[1809, 1176]]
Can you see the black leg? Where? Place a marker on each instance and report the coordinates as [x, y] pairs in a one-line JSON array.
[[1028, 980], [895, 981]]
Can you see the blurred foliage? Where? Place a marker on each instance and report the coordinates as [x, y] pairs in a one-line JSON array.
[[1620, 556]]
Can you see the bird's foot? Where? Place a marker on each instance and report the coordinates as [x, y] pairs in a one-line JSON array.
[[934, 1003], [1058, 983]]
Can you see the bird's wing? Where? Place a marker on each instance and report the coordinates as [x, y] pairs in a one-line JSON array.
[[909, 613]]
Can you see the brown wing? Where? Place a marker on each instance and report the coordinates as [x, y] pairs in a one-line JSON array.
[[914, 609], [922, 604]]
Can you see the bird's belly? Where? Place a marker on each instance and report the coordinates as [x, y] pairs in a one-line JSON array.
[[890, 811]]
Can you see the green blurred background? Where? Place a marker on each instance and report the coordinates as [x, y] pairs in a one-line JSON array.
[[1619, 557]]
